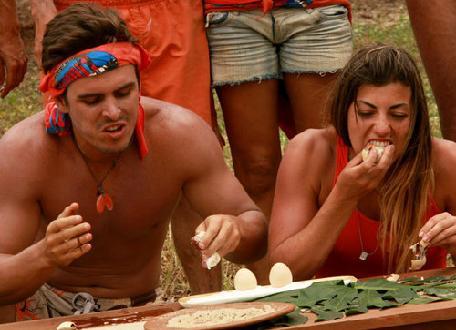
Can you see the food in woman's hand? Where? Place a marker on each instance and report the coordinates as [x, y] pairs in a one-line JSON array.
[[245, 279], [280, 275], [418, 255], [365, 153]]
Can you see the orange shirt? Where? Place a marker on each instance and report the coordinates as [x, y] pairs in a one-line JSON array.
[[344, 258]]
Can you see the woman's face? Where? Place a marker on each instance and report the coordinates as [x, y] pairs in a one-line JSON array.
[[380, 116]]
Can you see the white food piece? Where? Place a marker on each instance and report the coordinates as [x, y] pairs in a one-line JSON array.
[[280, 275], [417, 264], [213, 260], [365, 152], [244, 279], [67, 325], [393, 278], [198, 237]]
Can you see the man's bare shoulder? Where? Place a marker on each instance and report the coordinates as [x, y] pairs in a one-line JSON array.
[[173, 121], [27, 142]]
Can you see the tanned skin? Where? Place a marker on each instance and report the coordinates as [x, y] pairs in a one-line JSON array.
[[13, 62], [50, 230], [434, 26], [310, 211]]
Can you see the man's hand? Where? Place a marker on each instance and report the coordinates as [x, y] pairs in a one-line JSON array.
[[42, 11], [359, 177], [222, 235], [67, 237], [13, 62], [440, 230]]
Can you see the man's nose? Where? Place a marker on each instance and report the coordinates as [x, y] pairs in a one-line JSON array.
[[111, 109]]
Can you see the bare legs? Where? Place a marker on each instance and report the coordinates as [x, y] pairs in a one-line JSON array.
[[434, 25], [250, 113], [183, 224]]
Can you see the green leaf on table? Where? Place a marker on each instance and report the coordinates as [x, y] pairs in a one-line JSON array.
[[323, 315], [344, 297], [379, 284], [424, 300], [401, 295], [371, 298], [317, 292]]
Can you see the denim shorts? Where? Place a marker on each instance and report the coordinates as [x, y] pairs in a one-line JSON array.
[[251, 46]]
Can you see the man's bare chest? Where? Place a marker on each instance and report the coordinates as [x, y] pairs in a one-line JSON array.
[[143, 197]]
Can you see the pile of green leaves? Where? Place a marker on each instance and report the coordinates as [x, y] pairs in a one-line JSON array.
[[333, 299]]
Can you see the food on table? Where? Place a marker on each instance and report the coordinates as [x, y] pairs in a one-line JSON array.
[[393, 278], [213, 317], [280, 275], [67, 325], [214, 259], [245, 279]]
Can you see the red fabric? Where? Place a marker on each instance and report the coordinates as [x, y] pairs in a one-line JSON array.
[[125, 53], [266, 5], [343, 260]]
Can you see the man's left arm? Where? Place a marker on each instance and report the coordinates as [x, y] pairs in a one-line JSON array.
[[234, 226]]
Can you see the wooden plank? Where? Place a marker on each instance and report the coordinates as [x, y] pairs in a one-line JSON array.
[[94, 319]]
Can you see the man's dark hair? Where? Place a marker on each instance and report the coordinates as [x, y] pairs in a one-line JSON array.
[[79, 27]]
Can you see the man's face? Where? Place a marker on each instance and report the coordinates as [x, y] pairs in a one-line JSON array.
[[381, 117], [103, 110]]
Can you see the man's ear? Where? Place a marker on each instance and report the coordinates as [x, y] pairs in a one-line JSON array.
[[62, 104]]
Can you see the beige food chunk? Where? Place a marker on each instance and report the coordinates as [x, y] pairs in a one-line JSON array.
[[365, 152], [393, 278], [67, 325], [280, 275], [214, 259], [245, 279], [417, 264]]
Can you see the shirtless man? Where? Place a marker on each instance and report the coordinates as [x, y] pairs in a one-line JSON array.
[[87, 209], [180, 67]]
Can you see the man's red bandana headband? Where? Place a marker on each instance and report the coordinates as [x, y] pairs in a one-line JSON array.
[[88, 63]]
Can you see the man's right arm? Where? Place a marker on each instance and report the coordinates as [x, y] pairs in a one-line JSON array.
[[26, 262], [42, 11]]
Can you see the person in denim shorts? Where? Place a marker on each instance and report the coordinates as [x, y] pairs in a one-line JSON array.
[[256, 48]]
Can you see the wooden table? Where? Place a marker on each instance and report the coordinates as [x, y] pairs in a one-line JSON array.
[[438, 315]]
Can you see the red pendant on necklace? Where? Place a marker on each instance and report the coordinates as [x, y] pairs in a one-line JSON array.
[[104, 201]]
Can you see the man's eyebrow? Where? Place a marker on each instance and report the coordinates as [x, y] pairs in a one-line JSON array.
[[129, 84]]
